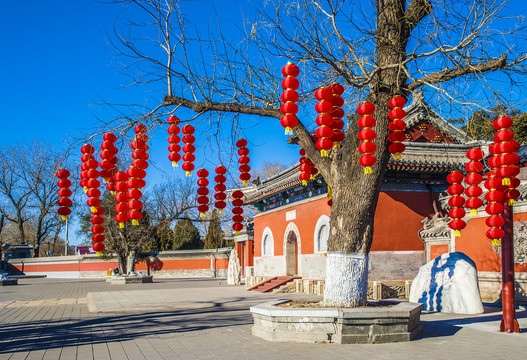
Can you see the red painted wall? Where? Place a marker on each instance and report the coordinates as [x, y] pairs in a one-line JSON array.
[[307, 215], [476, 245], [397, 222]]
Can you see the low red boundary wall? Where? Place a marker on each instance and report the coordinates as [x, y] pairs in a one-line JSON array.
[[185, 263]]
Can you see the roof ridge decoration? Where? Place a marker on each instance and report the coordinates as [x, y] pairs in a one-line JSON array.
[[419, 111]]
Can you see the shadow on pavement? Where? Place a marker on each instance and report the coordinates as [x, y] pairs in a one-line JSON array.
[[58, 333], [448, 327]]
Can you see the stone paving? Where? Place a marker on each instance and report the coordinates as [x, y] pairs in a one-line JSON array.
[[204, 319]]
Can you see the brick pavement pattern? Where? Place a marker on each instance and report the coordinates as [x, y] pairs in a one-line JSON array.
[[204, 319]]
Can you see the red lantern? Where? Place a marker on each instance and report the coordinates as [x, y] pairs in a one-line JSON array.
[[173, 140], [494, 208], [64, 192], [456, 202], [289, 97], [473, 179], [510, 193], [337, 113], [397, 126], [237, 211], [367, 135], [203, 200], [188, 149], [220, 188], [325, 121], [507, 160]]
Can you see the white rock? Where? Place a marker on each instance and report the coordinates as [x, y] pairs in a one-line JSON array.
[[448, 284]]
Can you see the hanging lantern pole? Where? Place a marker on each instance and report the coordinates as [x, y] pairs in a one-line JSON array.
[[67, 242], [508, 301]]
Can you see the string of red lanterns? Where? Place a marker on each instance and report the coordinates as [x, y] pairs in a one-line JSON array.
[[237, 211], [456, 201], [137, 173], [188, 149], [473, 179], [305, 168], [397, 126], [220, 188], [87, 154], [324, 120], [173, 140], [504, 147], [337, 113], [64, 192], [108, 152], [203, 200], [121, 187], [494, 208], [366, 136], [244, 160], [289, 97]]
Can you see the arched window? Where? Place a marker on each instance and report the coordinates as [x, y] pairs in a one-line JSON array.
[[321, 234], [267, 243], [322, 241]]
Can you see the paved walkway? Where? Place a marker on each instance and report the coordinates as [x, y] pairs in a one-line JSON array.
[[204, 319]]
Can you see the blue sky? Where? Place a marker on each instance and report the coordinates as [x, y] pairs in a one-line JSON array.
[[56, 66]]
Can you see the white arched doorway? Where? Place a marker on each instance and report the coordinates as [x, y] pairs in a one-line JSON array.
[[292, 249]]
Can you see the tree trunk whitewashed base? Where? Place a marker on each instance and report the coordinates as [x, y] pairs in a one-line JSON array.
[[346, 279]]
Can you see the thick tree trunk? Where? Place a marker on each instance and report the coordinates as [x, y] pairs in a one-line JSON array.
[[355, 194], [130, 262], [122, 262]]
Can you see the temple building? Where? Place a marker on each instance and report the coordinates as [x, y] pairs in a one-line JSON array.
[[291, 226]]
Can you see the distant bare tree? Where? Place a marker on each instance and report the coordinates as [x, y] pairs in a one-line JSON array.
[[377, 49], [29, 187], [269, 168]]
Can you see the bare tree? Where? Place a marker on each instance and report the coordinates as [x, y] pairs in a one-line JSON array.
[[28, 183], [377, 49]]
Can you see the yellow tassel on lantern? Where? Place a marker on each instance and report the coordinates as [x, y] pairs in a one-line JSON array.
[[64, 217], [511, 202], [324, 153], [288, 131], [457, 233], [93, 209], [368, 170], [506, 181], [245, 182], [311, 177], [202, 215], [304, 182], [99, 253], [174, 163], [336, 145], [85, 188], [473, 212], [397, 156], [220, 211], [496, 242], [238, 233], [330, 195], [113, 193], [105, 180], [121, 225], [135, 222], [187, 173]]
